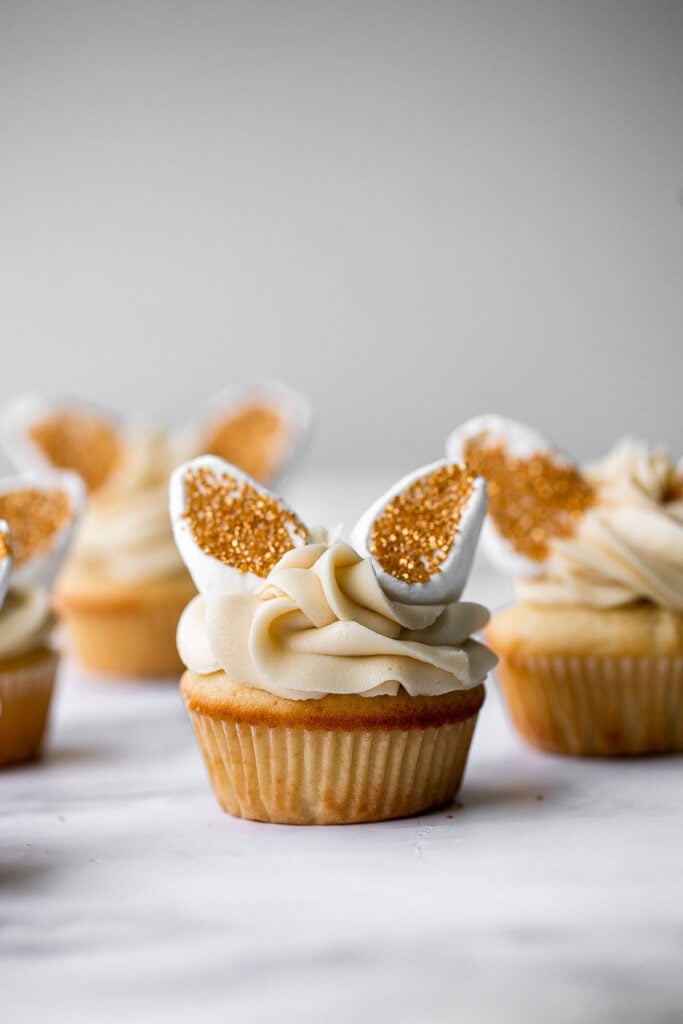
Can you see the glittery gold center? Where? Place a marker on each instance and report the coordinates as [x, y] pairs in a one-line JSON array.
[[254, 438], [34, 517], [5, 543], [79, 441], [233, 522], [674, 490], [529, 500], [413, 536]]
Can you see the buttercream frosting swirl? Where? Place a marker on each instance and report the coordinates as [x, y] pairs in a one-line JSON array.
[[320, 623], [628, 546], [126, 531], [25, 621]]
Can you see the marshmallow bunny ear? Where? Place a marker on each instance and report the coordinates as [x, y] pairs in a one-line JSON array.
[[260, 428], [6, 559], [64, 433], [422, 534], [536, 493], [230, 531], [41, 510]]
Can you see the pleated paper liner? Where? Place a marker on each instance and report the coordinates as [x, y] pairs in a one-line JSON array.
[[26, 685], [137, 642], [596, 706], [297, 775]]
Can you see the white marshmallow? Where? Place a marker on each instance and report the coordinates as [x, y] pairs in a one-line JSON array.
[[43, 567], [448, 583], [212, 576], [290, 405], [522, 442], [20, 415]]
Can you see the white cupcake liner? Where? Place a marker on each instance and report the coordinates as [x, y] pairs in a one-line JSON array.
[[300, 776], [599, 706]]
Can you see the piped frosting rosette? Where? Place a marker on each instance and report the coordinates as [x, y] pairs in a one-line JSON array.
[[283, 610], [126, 534], [38, 513], [604, 535]]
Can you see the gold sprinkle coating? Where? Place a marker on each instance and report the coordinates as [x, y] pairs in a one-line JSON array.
[[5, 543], [79, 441], [254, 438], [34, 517], [530, 500], [413, 536], [233, 522], [674, 490]]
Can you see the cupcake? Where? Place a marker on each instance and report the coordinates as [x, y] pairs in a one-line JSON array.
[[122, 591], [329, 683], [591, 652], [37, 519]]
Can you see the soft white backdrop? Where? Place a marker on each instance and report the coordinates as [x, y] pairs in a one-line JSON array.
[[414, 211]]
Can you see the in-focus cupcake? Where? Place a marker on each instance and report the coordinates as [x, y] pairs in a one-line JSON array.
[[591, 652], [122, 591], [326, 683], [37, 516]]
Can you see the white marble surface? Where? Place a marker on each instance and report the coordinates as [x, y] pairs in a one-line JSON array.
[[550, 892]]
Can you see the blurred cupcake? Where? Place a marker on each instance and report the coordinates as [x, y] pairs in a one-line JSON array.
[[328, 684], [37, 516], [122, 592], [592, 651]]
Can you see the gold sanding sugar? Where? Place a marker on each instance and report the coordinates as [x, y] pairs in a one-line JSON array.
[[5, 543], [674, 491], [530, 500], [415, 533], [254, 439], [233, 522], [79, 441], [34, 517]]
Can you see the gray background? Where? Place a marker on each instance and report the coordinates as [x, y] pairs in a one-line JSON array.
[[412, 211]]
